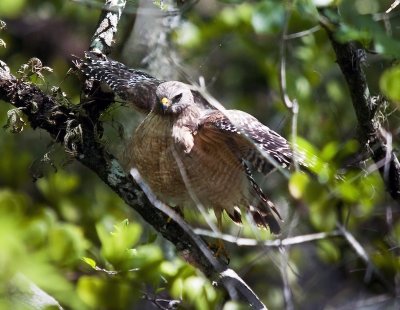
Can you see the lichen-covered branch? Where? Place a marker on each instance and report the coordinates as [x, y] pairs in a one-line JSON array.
[[78, 129], [44, 112], [102, 42], [103, 37], [351, 57]]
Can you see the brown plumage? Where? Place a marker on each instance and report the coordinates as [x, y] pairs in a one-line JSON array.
[[191, 155], [188, 152]]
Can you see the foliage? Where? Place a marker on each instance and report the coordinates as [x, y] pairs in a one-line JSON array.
[[66, 232]]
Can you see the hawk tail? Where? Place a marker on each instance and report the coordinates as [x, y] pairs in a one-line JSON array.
[[263, 217], [262, 213]]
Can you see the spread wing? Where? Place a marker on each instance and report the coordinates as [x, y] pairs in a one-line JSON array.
[[253, 143], [136, 87], [261, 147]]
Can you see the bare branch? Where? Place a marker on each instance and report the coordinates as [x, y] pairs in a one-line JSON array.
[[393, 6]]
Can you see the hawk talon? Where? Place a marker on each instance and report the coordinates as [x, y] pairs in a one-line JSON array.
[[219, 251]]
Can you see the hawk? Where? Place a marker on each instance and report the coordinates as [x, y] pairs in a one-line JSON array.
[[189, 152]]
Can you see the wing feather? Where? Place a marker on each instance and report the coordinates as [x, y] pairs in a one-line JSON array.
[[254, 142]]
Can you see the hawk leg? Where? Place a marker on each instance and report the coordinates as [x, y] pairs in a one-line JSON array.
[[219, 247]]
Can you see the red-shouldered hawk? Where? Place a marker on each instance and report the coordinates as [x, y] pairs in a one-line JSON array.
[[189, 152]]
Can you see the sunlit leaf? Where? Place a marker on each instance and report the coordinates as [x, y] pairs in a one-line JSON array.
[[268, 17], [323, 214], [106, 293], [349, 191], [67, 244], [116, 245], [297, 184], [329, 151], [89, 261], [11, 8], [389, 83], [328, 251]]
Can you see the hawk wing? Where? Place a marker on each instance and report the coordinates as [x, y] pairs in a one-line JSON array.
[[261, 147], [136, 87], [253, 143]]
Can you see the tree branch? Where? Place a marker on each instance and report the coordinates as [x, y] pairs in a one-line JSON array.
[[106, 28], [350, 57], [78, 129], [59, 121]]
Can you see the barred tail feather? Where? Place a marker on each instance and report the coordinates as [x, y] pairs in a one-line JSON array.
[[235, 215], [263, 218]]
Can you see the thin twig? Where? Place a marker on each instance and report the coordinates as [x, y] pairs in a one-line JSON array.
[[362, 253], [287, 292], [282, 66], [291, 105], [277, 243], [301, 34]]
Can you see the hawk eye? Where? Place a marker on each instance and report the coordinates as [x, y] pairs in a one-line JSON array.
[[176, 98]]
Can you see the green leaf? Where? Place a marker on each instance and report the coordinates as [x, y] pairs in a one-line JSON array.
[[328, 251], [310, 155], [168, 269], [11, 8], [268, 17], [105, 293], [298, 184], [116, 246], [194, 286], [389, 83], [58, 185], [177, 288], [235, 15], [91, 262], [329, 151], [198, 290], [13, 202], [349, 192], [66, 244], [323, 214]]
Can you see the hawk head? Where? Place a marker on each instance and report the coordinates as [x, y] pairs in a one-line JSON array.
[[173, 97]]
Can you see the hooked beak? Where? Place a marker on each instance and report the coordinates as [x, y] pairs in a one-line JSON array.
[[165, 103]]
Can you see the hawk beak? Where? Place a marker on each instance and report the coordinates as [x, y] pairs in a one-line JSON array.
[[165, 103]]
